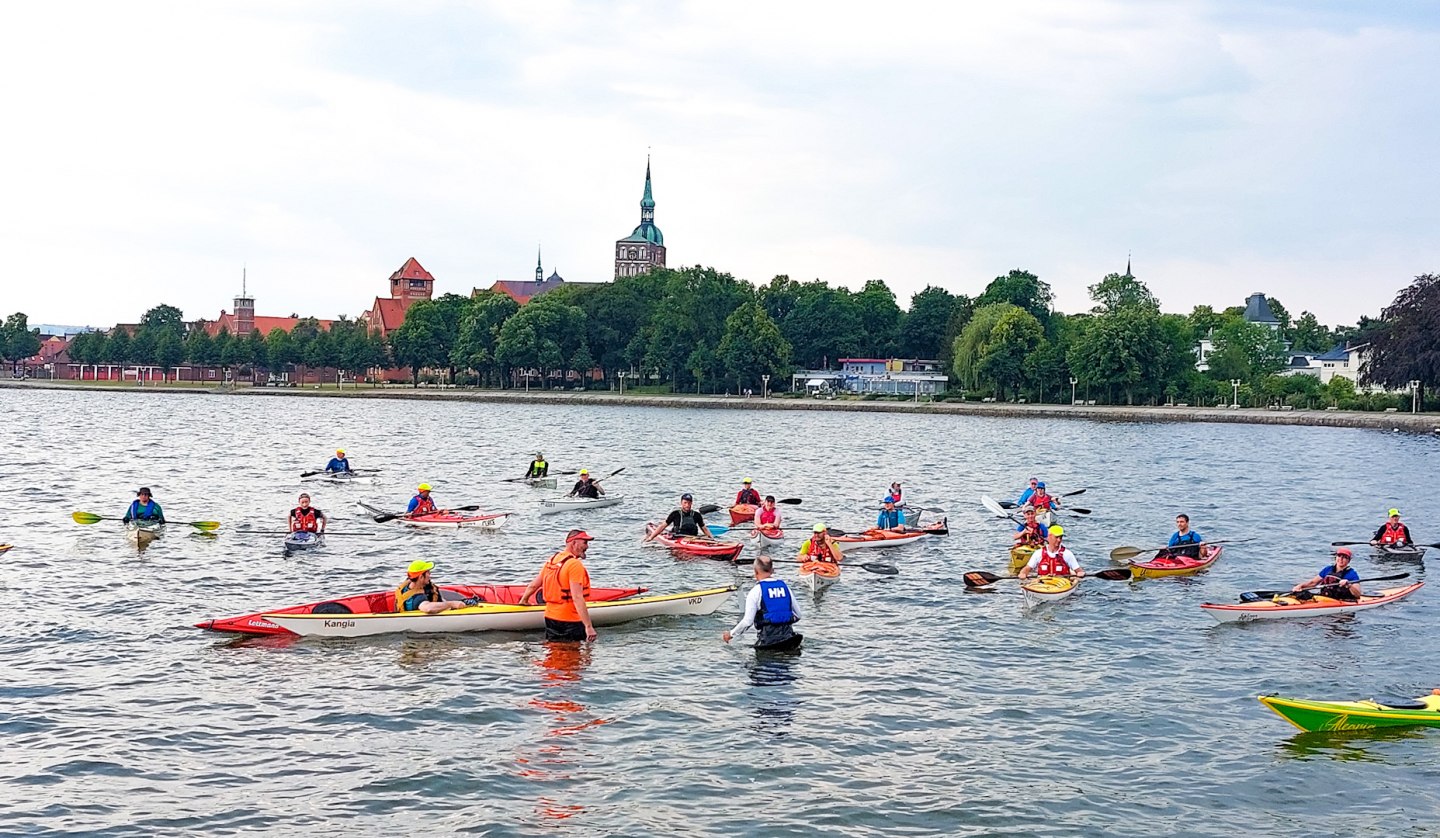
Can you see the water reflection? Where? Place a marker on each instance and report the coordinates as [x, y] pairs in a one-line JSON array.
[[1348, 746], [772, 673], [562, 668]]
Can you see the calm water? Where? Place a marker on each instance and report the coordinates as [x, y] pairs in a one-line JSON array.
[[915, 708]]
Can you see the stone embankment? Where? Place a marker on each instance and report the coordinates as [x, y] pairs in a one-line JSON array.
[[1420, 423]]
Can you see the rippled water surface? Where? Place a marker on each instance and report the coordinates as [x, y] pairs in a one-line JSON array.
[[914, 709]]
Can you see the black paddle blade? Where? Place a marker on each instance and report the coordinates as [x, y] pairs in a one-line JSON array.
[[1008, 504], [707, 509], [791, 501], [1078, 511], [881, 568], [834, 533], [980, 579], [1115, 574]]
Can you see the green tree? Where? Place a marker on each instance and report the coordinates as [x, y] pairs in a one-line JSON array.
[[824, 326], [518, 347], [279, 350], [1204, 319], [221, 353], [753, 346], [479, 334], [1308, 335], [972, 344], [1247, 351], [169, 352], [1019, 288], [164, 318], [1016, 335], [142, 347], [1117, 350], [117, 348], [17, 339], [200, 348], [880, 317], [420, 342], [924, 331], [256, 353], [1117, 291]]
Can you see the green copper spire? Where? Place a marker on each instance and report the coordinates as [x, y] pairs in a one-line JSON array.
[[647, 203]]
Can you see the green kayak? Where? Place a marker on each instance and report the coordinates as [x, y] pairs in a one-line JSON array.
[[1316, 716]]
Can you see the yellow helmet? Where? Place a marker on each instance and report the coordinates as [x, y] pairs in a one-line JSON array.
[[747, 480], [1057, 530], [1394, 513], [424, 487], [340, 452], [820, 528], [418, 567], [584, 471]]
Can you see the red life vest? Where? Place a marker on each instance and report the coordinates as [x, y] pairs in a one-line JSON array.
[[424, 507], [1033, 534], [1037, 502], [1052, 564], [768, 516], [817, 551], [1394, 533], [305, 520], [747, 495]]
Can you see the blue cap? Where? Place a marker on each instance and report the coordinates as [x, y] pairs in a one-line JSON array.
[[1039, 485], [687, 496], [888, 499]]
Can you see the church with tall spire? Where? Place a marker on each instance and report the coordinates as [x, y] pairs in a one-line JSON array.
[[644, 248]]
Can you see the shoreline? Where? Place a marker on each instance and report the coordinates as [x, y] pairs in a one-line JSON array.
[[1416, 423]]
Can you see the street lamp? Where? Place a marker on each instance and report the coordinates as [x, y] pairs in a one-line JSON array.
[[1414, 396], [764, 386], [621, 375], [1072, 390], [1235, 388]]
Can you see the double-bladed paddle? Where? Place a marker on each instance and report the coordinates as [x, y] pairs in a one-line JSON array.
[[1365, 543], [981, 579], [390, 516], [1252, 596], [92, 518], [874, 567], [1010, 504]]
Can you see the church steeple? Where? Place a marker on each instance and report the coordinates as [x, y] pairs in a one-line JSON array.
[[539, 272], [644, 248], [647, 203]]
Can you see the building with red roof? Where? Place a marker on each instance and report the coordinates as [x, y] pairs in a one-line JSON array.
[[409, 285]]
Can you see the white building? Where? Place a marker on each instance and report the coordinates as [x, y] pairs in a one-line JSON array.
[[1257, 310]]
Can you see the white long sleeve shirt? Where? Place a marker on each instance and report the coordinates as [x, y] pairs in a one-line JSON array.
[[752, 608]]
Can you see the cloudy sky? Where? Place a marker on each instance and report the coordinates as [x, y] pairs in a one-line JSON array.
[[150, 150]]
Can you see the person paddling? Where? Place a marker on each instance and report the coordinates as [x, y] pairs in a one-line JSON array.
[[820, 547], [747, 495], [565, 583], [1339, 579], [1043, 503], [421, 504], [890, 518], [338, 464], [1030, 532], [1392, 533], [418, 593], [1053, 559], [767, 517], [538, 467], [770, 608], [1185, 542], [1028, 493], [143, 508], [586, 487], [306, 518], [683, 521]]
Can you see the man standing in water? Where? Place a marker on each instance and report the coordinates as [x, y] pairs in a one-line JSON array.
[[770, 608], [565, 583]]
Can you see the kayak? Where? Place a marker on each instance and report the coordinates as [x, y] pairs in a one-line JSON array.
[[1047, 589], [383, 602], [550, 506], [891, 538], [5, 548], [141, 533], [1317, 716], [818, 576], [1289, 606], [1409, 551], [1020, 556], [494, 617], [340, 477], [1175, 565], [302, 540], [446, 518], [769, 536], [705, 548], [742, 513], [540, 482]]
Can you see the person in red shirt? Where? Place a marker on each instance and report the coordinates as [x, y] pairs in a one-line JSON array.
[[565, 583], [747, 495]]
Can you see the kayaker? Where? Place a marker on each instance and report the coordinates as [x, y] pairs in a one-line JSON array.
[[143, 508], [682, 521], [586, 486], [565, 582], [769, 607], [538, 467], [1339, 579], [1392, 533], [767, 517], [899, 496], [421, 504], [821, 547], [1042, 500], [1053, 559], [306, 518], [418, 593], [747, 494], [1030, 532], [890, 517], [1025, 495], [1184, 542], [338, 463]]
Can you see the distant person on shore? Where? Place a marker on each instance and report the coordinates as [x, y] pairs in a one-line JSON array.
[[586, 487], [748, 495], [684, 521], [422, 503], [1053, 559], [338, 464], [1030, 532], [820, 547], [1184, 542], [770, 608], [143, 508], [1392, 533], [1026, 495], [418, 593], [538, 467], [565, 583], [1339, 579], [890, 518], [306, 518]]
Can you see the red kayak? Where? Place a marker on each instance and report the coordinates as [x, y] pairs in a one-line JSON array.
[[704, 548], [742, 513], [383, 602], [892, 538]]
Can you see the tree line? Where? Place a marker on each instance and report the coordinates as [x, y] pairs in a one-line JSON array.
[[701, 330]]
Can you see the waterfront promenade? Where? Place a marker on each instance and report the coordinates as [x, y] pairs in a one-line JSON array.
[[1418, 423]]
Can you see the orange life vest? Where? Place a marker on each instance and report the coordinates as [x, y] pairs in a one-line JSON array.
[[1033, 534], [1394, 533], [305, 520], [424, 507], [817, 552], [559, 602], [1041, 501], [1052, 564], [408, 590]]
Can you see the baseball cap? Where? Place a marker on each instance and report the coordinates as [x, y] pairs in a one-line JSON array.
[[580, 534], [1344, 551], [1394, 512], [144, 490], [584, 471], [747, 480], [1039, 485], [687, 496], [1057, 530], [820, 528], [423, 487], [418, 567]]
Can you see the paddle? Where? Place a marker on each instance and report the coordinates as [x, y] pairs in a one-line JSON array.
[[874, 567], [981, 579], [1251, 596], [995, 507], [1365, 543], [287, 532], [1126, 553], [390, 516], [703, 510], [92, 518]]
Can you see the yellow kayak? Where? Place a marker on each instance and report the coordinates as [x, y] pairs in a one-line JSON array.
[[1049, 589], [1020, 555]]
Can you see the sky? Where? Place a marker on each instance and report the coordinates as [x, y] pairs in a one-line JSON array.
[[152, 151]]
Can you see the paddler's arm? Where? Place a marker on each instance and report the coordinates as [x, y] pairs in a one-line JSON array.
[[1308, 583], [577, 596], [752, 607], [530, 589]]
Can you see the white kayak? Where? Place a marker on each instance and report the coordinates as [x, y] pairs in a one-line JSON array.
[[143, 532], [550, 506], [341, 477], [1047, 589], [303, 541], [493, 617]]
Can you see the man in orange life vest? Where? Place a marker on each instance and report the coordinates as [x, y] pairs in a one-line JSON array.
[[306, 518], [1392, 533], [1054, 559], [565, 582], [820, 547]]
